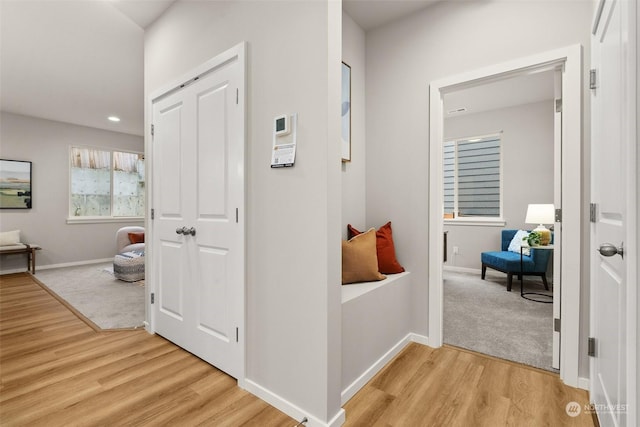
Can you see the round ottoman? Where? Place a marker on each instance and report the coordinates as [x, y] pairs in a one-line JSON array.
[[129, 266]]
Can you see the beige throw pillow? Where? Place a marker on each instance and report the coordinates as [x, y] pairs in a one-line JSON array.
[[9, 238], [359, 259]]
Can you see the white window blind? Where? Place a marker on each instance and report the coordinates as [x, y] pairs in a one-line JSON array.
[[472, 177]]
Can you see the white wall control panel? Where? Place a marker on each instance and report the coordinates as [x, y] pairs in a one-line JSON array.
[[283, 154]]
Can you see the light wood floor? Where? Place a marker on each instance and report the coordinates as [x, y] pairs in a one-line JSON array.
[[451, 387], [55, 370]]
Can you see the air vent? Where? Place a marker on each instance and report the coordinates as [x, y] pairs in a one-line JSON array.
[[457, 111]]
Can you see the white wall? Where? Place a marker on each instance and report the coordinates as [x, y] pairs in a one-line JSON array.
[[353, 172], [402, 58], [46, 143], [293, 214], [527, 159]]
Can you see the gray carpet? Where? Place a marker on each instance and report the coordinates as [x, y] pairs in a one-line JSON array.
[[92, 290], [480, 315]]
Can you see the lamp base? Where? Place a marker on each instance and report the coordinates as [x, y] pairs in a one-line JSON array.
[[545, 234]]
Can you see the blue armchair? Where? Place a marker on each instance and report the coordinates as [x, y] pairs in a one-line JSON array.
[[509, 262]]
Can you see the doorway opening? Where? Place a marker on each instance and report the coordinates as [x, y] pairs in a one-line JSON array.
[[499, 149], [569, 60]]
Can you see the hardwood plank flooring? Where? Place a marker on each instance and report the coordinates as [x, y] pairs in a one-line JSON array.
[[453, 387], [56, 370]]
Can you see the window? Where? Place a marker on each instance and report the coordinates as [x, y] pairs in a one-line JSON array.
[[473, 178], [106, 183]]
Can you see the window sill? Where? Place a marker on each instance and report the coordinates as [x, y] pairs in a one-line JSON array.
[[479, 222], [104, 219]]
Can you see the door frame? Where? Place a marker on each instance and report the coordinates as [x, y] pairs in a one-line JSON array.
[[570, 58], [238, 53]]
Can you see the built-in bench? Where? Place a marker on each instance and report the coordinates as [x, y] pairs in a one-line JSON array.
[[23, 248], [376, 325]]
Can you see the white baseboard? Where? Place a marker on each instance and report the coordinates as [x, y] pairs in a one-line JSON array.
[[363, 379], [420, 339], [584, 383], [289, 408], [74, 264], [469, 270], [50, 266], [457, 269]]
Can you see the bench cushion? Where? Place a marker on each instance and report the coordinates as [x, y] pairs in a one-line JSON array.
[[12, 247], [19, 247]]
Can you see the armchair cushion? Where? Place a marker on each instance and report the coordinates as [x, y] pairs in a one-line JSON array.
[[508, 261], [516, 243], [136, 237], [507, 237], [123, 244]]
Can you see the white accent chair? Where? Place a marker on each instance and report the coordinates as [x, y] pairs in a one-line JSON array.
[[128, 264], [123, 244]]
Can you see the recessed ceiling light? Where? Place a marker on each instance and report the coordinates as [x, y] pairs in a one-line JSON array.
[[114, 118]]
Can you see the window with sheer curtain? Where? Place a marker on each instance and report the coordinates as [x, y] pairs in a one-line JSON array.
[[106, 183], [473, 178]]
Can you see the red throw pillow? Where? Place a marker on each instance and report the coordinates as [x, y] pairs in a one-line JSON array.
[[136, 237], [387, 262]]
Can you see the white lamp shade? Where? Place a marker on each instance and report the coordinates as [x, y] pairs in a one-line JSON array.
[[540, 214]]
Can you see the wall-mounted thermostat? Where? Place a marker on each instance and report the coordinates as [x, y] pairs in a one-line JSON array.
[[283, 125], [285, 132]]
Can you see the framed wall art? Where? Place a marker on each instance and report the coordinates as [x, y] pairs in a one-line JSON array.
[[15, 184]]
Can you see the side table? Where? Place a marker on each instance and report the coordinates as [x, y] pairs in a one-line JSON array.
[[548, 297]]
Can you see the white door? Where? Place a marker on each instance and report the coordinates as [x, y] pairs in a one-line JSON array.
[[198, 238], [612, 168], [557, 227]]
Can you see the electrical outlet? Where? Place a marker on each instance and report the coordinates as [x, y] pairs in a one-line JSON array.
[[455, 250]]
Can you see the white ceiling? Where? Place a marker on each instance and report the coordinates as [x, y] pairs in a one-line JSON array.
[[370, 14], [142, 12], [80, 61], [76, 61], [518, 90]]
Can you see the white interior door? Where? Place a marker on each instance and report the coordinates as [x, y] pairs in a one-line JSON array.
[[198, 237], [612, 167], [557, 202]]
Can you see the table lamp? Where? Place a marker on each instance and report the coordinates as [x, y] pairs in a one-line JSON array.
[[541, 214]]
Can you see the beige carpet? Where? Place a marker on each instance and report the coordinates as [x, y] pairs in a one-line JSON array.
[[94, 291], [481, 315]]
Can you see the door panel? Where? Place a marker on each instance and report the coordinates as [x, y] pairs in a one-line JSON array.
[[213, 317], [609, 166], [169, 143], [171, 289], [212, 152]]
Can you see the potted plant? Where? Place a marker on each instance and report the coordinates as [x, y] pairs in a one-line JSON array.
[[533, 239]]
